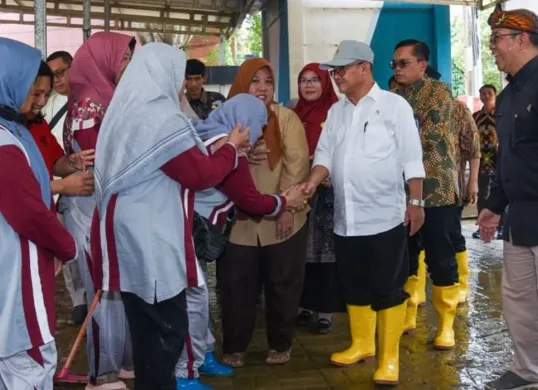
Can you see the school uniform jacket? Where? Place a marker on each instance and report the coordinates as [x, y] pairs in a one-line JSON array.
[[31, 236]]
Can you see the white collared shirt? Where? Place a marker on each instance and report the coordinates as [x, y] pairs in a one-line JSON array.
[[367, 149]]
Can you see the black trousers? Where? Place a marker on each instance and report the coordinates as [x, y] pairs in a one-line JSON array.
[[280, 268], [458, 241], [158, 334], [436, 238], [372, 270]]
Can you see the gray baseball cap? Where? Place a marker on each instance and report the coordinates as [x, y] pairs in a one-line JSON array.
[[349, 52]]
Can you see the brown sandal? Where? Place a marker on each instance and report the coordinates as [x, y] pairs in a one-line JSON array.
[[275, 358], [234, 360]]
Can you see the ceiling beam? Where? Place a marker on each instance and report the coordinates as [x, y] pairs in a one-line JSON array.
[[115, 16]]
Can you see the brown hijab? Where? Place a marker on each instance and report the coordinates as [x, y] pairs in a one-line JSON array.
[[271, 132]]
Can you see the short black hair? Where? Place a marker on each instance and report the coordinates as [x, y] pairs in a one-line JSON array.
[[65, 56], [45, 71], [432, 73], [488, 86], [195, 68], [420, 49]]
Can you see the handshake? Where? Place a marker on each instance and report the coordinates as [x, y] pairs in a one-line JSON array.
[[297, 196]]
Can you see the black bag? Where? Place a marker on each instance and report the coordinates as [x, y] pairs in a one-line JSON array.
[[209, 240]]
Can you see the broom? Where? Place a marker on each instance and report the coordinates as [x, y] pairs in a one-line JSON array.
[[64, 376]]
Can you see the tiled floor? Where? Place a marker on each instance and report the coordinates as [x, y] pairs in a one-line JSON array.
[[483, 344]]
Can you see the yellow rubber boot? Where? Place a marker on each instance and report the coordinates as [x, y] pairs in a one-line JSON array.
[[463, 270], [410, 323], [421, 286], [390, 324], [362, 324], [445, 300]]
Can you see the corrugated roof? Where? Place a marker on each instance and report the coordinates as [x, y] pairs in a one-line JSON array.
[[210, 17]]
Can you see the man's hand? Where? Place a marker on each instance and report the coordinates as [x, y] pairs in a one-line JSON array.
[[78, 184], [257, 154], [308, 187], [488, 223], [472, 191], [284, 226], [414, 216]]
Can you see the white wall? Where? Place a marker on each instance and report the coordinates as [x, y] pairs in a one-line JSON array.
[[531, 5], [316, 27]]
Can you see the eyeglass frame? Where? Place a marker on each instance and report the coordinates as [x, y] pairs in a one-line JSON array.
[[393, 64], [314, 80], [341, 70], [59, 73], [493, 38]]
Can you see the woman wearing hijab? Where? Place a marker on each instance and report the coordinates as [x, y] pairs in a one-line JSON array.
[[321, 295], [31, 233], [271, 249], [145, 201], [94, 74], [216, 205]]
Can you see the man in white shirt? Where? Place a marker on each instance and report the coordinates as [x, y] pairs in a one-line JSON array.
[[55, 112], [56, 109], [369, 142]]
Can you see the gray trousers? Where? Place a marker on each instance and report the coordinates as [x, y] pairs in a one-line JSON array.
[[108, 338], [520, 306], [29, 370], [200, 339], [73, 280]]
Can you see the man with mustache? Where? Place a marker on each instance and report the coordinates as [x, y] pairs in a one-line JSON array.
[[514, 43]]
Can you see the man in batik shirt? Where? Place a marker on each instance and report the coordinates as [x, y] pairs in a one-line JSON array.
[[489, 144], [434, 107], [201, 101]]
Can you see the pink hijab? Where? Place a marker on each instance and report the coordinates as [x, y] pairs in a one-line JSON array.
[[95, 66], [92, 78]]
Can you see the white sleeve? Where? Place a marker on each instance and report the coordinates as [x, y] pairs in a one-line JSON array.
[[323, 153], [409, 143]]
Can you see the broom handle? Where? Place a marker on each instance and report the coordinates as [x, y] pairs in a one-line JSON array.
[[82, 330]]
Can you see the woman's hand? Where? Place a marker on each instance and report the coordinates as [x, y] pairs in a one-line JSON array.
[[284, 226], [295, 198], [81, 160], [239, 137], [257, 154]]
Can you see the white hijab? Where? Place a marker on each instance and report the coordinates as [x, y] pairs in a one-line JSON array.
[[143, 127]]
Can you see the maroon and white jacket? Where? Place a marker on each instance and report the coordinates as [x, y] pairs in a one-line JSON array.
[[31, 236]]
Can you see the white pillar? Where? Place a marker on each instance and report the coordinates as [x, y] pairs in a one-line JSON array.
[[86, 19], [40, 29]]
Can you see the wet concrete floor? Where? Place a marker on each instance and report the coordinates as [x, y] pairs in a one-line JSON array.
[[483, 344]]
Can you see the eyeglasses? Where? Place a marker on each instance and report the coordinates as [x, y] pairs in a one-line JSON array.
[[495, 37], [61, 72], [395, 64], [341, 70], [313, 81]]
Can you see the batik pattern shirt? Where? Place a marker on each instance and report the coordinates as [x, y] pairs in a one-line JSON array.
[[434, 107], [488, 141], [207, 103], [469, 146]]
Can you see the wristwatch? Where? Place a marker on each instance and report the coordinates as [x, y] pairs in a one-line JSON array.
[[416, 202]]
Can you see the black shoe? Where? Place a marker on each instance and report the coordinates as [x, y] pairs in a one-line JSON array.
[[321, 326], [510, 381], [79, 314], [476, 234], [304, 318]]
